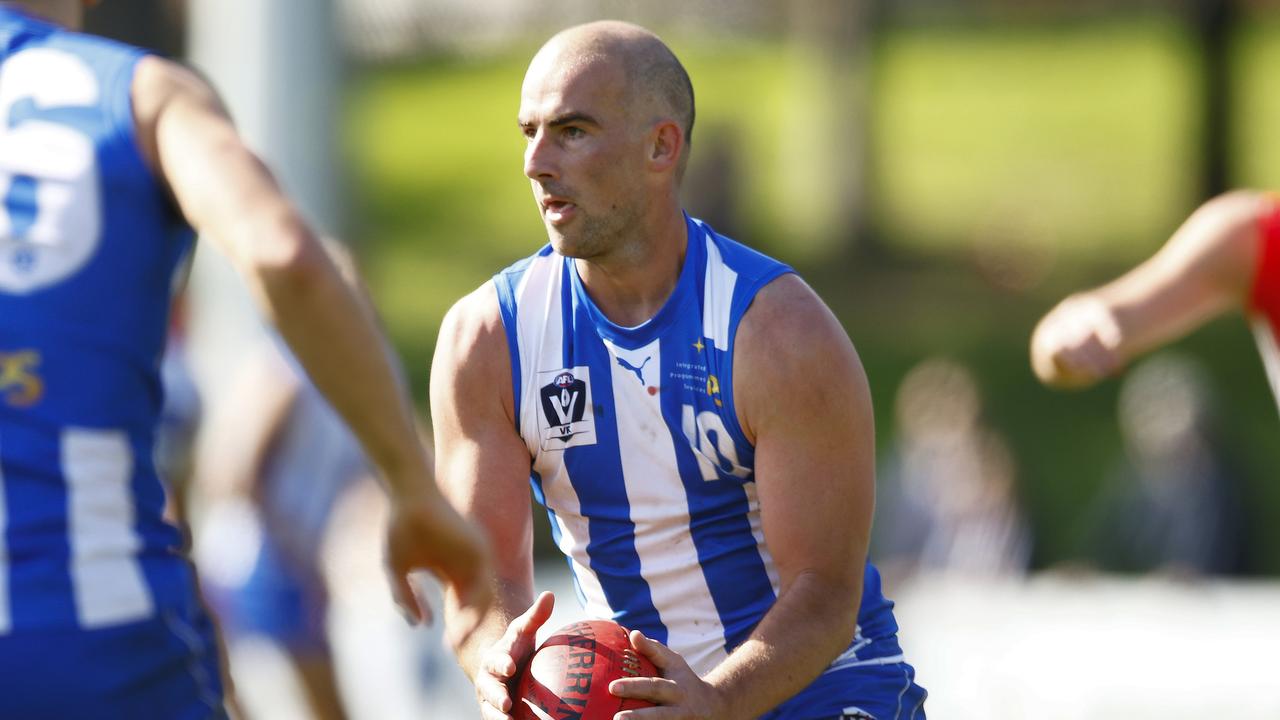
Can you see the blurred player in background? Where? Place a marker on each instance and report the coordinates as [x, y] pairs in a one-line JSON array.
[[692, 416], [947, 503], [277, 446], [106, 155], [1226, 256]]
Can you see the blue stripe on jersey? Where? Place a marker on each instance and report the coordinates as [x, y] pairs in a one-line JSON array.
[[39, 584], [506, 287], [596, 473], [721, 532], [568, 273]]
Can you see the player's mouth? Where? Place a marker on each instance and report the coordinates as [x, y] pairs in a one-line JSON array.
[[558, 211]]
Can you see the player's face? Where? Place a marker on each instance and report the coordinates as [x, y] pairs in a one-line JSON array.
[[584, 155]]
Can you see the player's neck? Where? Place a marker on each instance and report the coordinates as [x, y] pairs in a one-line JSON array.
[[631, 288], [67, 13]]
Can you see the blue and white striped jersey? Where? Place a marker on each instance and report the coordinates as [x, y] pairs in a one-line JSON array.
[[89, 245], [638, 457]]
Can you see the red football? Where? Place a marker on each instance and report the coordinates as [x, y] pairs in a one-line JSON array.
[[569, 674]]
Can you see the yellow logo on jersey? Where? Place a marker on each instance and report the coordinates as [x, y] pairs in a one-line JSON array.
[[20, 386], [713, 388]]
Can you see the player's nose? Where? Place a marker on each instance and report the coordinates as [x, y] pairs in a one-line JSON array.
[[539, 158]]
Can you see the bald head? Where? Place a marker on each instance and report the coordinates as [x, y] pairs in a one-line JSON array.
[[656, 83]]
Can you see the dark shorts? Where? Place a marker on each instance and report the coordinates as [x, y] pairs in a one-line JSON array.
[[165, 667], [872, 689]]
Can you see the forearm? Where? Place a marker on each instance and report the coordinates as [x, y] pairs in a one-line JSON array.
[[1205, 269], [510, 600], [812, 622]]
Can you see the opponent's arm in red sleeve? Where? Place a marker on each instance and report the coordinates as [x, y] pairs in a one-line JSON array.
[[1206, 268]]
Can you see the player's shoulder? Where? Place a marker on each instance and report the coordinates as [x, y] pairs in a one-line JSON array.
[[473, 325], [157, 81], [788, 313]]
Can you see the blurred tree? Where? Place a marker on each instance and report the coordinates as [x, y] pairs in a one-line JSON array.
[[158, 25], [824, 142], [1213, 22]]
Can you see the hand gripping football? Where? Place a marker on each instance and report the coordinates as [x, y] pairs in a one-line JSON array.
[[568, 676]]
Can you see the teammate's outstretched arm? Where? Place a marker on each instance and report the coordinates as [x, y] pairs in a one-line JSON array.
[[483, 466], [1206, 268], [802, 398], [228, 195]]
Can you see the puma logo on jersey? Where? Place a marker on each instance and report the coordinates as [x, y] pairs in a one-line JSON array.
[[637, 370], [566, 418], [20, 386]]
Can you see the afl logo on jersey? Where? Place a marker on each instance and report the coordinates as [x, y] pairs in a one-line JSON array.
[[565, 419]]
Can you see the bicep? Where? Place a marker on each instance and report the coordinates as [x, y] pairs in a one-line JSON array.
[[482, 464], [815, 454]]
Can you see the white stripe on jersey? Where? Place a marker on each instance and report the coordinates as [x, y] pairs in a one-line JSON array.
[[107, 579], [717, 297], [573, 541], [1270, 351], [539, 337], [659, 510], [6, 620]]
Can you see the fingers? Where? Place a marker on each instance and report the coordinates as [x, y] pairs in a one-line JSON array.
[[659, 691], [493, 694], [406, 599], [662, 657], [488, 712], [536, 616], [1078, 343], [504, 658]]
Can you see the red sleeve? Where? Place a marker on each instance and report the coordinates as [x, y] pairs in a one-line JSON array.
[[1265, 297]]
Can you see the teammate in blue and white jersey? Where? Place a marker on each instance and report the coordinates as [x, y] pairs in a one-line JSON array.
[[106, 155], [693, 418]]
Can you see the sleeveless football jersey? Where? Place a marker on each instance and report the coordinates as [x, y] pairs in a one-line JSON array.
[[89, 246], [1264, 305], [638, 457]]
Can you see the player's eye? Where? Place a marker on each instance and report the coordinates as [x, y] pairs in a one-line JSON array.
[[528, 131], [574, 132]]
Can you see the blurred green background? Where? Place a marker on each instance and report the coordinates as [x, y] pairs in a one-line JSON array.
[[1008, 163]]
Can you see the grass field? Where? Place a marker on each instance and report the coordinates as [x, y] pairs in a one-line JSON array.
[[1010, 165]]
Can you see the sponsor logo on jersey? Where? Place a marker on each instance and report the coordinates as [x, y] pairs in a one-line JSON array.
[[638, 370], [20, 385], [566, 419], [853, 713]]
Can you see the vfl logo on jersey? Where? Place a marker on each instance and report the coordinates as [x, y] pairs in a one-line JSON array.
[[566, 419], [853, 713], [20, 386]]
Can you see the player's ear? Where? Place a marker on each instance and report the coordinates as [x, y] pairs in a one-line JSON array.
[[666, 145]]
